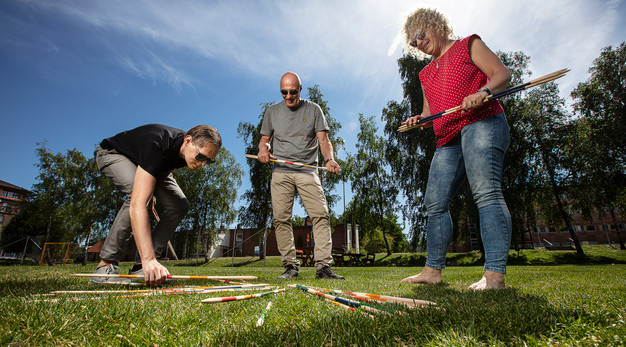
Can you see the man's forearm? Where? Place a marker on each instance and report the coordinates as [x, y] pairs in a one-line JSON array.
[[140, 224]]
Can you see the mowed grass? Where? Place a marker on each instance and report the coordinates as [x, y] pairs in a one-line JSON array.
[[545, 305]]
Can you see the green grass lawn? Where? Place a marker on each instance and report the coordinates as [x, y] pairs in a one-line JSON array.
[[569, 304]]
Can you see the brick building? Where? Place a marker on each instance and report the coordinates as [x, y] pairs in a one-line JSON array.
[[11, 199], [600, 230], [243, 241]]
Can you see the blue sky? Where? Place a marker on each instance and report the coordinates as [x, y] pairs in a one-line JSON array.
[[75, 72]]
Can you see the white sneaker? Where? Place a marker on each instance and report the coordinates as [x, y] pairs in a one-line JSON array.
[[108, 270]]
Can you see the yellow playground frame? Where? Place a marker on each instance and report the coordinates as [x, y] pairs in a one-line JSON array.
[[67, 250]]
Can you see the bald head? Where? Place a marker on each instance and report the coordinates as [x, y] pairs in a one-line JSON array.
[[290, 77], [290, 87]]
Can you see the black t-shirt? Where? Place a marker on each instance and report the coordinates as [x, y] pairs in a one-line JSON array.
[[154, 147]]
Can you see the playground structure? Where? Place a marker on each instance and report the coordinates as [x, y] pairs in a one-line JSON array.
[[54, 252]]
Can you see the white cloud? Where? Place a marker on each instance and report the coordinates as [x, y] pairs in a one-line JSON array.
[[344, 44]]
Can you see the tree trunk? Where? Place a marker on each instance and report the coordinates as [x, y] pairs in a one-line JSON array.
[[84, 263], [49, 259], [557, 196]]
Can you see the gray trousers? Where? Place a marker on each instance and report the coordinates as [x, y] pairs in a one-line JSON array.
[[122, 171]]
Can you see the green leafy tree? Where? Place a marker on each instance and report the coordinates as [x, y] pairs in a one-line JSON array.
[[543, 111], [212, 192], [257, 211], [329, 181], [374, 188], [62, 206], [409, 154], [598, 151]]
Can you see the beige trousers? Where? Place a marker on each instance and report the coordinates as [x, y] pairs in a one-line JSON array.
[[309, 187]]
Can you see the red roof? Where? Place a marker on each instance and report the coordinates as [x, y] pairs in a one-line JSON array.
[[96, 248]]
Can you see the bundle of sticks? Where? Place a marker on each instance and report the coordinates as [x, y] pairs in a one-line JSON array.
[[523, 86]]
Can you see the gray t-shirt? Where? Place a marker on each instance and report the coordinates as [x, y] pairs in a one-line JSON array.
[[294, 133]]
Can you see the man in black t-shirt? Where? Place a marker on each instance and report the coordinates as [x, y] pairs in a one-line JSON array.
[[140, 163]]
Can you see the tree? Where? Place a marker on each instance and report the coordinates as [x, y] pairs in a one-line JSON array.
[[543, 111], [409, 154], [598, 152], [375, 190], [64, 204], [212, 192], [257, 210], [328, 181]]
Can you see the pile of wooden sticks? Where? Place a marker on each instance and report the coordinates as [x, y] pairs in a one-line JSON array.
[[523, 86], [365, 303]]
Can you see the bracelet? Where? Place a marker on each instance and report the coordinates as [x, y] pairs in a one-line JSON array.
[[327, 160], [485, 89]]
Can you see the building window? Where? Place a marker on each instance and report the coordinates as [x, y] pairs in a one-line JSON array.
[[4, 207], [1, 219], [543, 229], [591, 228]]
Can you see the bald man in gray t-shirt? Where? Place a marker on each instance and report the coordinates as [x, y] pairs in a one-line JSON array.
[[297, 128]]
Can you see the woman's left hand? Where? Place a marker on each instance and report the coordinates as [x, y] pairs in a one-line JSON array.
[[473, 101]]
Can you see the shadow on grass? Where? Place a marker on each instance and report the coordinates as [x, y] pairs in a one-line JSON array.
[[462, 317]]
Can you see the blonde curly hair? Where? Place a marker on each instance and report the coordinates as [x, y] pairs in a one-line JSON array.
[[427, 20]]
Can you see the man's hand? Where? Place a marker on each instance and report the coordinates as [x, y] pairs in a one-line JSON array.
[[264, 150], [154, 273], [333, 167]]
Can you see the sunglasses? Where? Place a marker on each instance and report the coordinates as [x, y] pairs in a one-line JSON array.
[[292, 92], [420, 37], [201, 157]]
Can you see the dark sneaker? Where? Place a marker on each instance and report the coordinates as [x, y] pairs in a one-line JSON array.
[[108, 270], [326, 272], [290, 272]]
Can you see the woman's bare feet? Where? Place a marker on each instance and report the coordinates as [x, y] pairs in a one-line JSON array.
[[490, 280], [427, 276]]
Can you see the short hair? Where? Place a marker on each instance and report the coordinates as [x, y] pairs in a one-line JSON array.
[[429, 20], [203, 134]]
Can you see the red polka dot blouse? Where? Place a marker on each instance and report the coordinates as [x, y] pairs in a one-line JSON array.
[[447, 81]]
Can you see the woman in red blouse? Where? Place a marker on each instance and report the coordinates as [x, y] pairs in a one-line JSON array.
[[470, 143]]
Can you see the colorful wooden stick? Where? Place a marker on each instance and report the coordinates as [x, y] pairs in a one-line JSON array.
[[262, 318], [520, 87], [198, 292], [241, 297], [386, 298], [338, 299], [173, 277], [287, 162], [185, 289]]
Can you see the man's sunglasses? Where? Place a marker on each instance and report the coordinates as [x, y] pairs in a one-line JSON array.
[[292, 92], [420, 37], [201, 157]]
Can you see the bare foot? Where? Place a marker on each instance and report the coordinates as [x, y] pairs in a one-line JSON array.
[[490, 280], [427, 276]]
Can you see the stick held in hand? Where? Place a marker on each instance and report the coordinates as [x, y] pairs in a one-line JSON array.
[[251, 156], [530, 84]]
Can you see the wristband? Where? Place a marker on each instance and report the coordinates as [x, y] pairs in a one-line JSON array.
[[485, 89], [327, 160]]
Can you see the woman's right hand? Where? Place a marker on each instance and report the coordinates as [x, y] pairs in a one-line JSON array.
[[413, 120]]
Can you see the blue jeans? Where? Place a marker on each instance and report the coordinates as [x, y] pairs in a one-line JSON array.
[[478, 154]]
